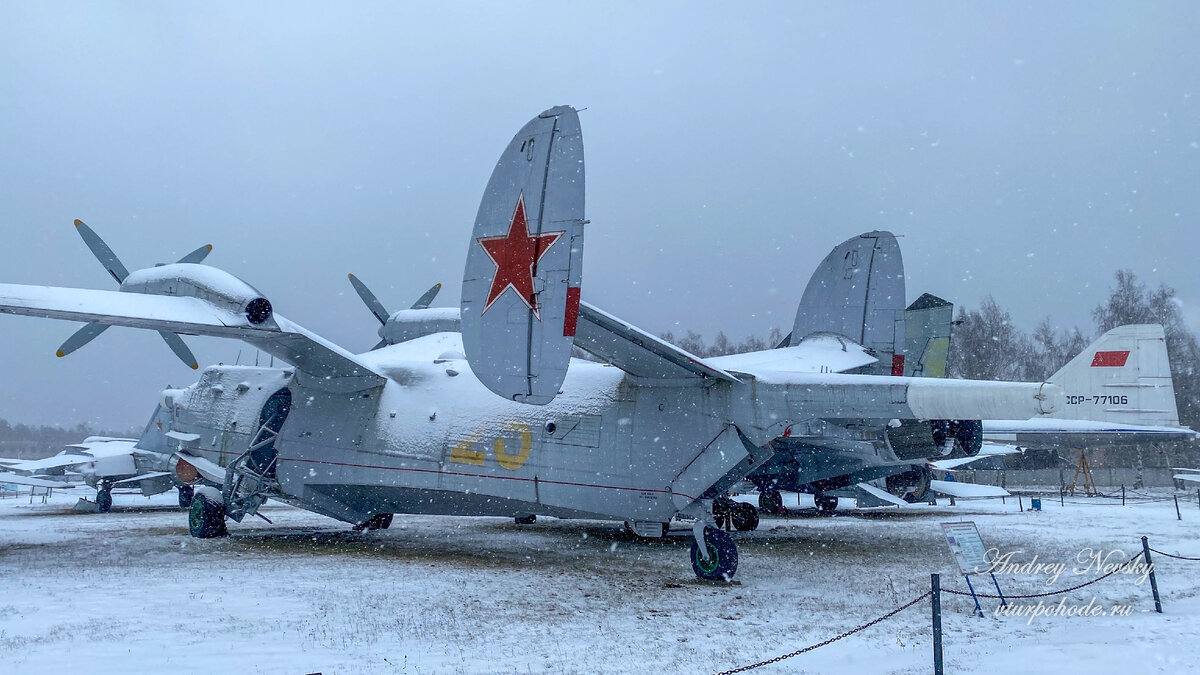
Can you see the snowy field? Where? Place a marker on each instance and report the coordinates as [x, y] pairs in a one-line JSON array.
[[131, 592]]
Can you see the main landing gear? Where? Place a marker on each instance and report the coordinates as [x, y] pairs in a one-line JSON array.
[[826, 504], [770, 501], [379, 521], [718, 560], [732, 515], [206, 517]]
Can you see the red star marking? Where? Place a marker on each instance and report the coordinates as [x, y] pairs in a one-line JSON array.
[[516, 255]]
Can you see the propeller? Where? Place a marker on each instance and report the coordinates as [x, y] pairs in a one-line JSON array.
[[380, 311], [118, 271]]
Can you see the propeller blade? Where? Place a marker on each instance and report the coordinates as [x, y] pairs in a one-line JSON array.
[[380, 345], [80, 338], [423, 301], [181, 350], [197, 255], [368, 297], [102, 252]]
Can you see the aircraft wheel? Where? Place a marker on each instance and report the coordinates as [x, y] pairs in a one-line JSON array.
[[186, 494], [745, 517], [525, 519], [770, 501], [206, 519], [104, 500], [825, 503], [722, 556]]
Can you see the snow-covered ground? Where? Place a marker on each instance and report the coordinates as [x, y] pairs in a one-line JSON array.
[[131, 592]]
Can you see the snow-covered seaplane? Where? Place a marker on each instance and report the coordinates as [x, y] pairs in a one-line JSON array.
[[497, 420]]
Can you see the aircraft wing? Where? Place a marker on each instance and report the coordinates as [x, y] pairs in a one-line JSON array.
[[988, 450], [637, 352], [145, 476], [35, 465], [7, 477], [967, 490], [185, 315], [1188, 477]]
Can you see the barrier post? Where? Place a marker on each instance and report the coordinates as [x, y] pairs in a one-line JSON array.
[[1122, 494], [1178, 515], [1021, 503], [1153, 580], [1061, 501], [935, 585]]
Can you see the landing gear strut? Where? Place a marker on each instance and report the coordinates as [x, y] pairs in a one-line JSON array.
[[104, 497], [186, 493], [719, 560]]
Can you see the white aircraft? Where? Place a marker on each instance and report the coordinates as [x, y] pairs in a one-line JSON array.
[[103, 463]]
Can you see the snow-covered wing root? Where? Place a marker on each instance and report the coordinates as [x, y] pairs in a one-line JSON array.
[[520, 292], [188, 315]]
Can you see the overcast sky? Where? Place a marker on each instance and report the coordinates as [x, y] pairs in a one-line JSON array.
[[1022, 151]]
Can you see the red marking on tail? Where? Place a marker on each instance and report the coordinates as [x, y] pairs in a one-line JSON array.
[[897, 365], [1110, 359], [571, 316]]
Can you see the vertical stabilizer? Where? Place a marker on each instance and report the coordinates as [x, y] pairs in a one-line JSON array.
[[927, 336], [520, 293], [858, 291], [1124, 376]]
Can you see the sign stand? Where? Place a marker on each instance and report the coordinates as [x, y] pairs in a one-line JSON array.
[[973, 597], [1003, 602], [967, 548]]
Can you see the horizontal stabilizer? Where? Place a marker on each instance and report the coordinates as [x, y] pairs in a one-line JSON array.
[[819, 353], [967, 490], [637, 352]]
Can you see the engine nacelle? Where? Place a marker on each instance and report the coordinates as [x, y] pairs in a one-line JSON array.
[[915, 439], [210, 284], [410, 324]]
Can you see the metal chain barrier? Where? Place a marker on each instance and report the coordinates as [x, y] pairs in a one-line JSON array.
[[1047, 594], [1177, 557], [831, 640]]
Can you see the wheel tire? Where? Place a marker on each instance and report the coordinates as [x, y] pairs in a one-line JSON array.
[[745, 517], [186, 494], [104, 500], [206, 520], [770, 501], [825, 503], [723, 556], [525, 519]]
